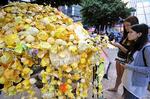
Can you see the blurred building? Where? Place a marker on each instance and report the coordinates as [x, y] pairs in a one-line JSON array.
[[142, 10], [72, 11]]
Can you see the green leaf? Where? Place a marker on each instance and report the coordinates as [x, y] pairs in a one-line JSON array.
[[20, 47]]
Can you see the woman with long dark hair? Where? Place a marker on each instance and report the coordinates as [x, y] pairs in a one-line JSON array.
[[137, 71], [124, 47]]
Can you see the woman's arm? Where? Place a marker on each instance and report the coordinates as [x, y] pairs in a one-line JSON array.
[[142, 69], [122, 48]]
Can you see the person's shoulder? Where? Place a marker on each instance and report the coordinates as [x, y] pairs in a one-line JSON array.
[[147, 44], [147, 47]]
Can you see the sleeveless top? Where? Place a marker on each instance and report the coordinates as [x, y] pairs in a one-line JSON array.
[[121, 54]]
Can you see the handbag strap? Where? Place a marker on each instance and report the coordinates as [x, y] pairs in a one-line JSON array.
[[144, 55]]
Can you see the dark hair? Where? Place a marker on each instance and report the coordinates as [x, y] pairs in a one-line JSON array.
[[141, 41], [140, 28], [131, 19]]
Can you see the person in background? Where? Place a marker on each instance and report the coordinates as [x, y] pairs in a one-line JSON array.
[[124, 47], [137, 69]]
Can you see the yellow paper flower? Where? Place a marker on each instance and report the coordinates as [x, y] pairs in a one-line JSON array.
[[11, 39], [1, 70], [48, 69], [76, 77], [6, 58], [26, 83], [42, 35], [83, 61], [8, 74], [50, 27], [69, 81], [2, 80], [68, 69], [51, 40], [44, 45], [41, 53], [12, 90], [73, 48], [84, 55], [44, 89], [19, 87], [30, 38], [74, 65], [59, 32], [45, 61], [26, 72], [54, 48], [17, 66], [68, 21]]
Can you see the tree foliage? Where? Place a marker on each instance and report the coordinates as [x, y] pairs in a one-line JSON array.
[[103, 12]]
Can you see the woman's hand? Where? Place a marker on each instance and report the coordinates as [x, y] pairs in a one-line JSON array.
[[116, 44]]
